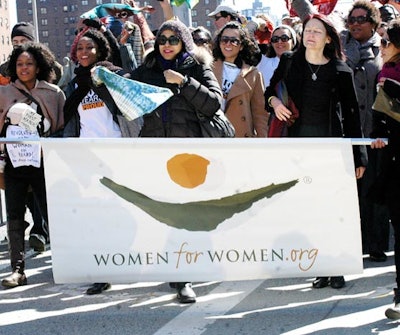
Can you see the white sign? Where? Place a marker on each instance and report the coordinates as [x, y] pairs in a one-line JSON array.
[[23, 154], [126, 210]]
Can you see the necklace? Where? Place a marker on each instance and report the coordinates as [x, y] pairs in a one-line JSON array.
[[314, 73]]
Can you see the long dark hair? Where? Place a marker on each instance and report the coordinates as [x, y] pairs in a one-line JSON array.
[[250, 53], [333, 49], [44, 58]]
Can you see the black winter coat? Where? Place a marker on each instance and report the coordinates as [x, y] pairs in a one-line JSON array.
[[177, 116], [344, 112]]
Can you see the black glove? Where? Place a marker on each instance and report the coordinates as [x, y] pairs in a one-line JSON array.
[[94, 23]]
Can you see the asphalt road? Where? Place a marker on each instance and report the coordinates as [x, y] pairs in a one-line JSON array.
[[274, 306]]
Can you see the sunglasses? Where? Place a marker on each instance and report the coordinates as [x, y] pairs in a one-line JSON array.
[[200, 41], [172, 40], [385, 43], [283, 38], [122, 15], [358, 19], [232, 40]]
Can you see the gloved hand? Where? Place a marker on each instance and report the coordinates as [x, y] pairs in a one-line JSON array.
[[94, 23]]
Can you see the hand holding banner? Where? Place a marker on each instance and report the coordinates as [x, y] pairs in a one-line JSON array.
[[133, 98]]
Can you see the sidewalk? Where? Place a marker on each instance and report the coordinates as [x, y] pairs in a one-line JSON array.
[[264, 307]]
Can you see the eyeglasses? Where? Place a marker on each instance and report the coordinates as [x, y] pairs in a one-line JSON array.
[[283, 38], [385, 43], [233, 40], [122, 15], [200, 41], [172, 40], [358, 19], [216, 18]]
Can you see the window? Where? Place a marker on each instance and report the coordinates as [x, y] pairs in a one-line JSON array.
[[206, 2], [65, 8], [43, 22], [99, 2], [85, 2], [67, 43], [43, 10], [66, 20], [29, 11], [194, 12], [66, 32], [45, 33]]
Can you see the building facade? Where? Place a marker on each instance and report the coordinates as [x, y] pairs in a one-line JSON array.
[[56, 19], [5, 31]]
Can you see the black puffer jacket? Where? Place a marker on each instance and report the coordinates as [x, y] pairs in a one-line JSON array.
[[177, 116]]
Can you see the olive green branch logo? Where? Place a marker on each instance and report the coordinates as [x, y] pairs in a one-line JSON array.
[[197, 215]]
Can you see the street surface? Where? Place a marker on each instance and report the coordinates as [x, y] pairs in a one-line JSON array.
[[274, 306]]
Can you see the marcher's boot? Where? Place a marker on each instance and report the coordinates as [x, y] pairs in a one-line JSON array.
[[394, 312], [16, 245]]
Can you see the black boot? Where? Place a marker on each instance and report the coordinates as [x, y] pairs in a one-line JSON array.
[[394, 312], [98, 288], [16, 246], [185, 294], [320, 282], [14, 280]]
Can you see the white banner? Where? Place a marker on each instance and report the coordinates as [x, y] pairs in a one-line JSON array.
[[126, 210]]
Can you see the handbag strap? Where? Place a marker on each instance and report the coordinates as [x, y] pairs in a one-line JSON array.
[[38, 110]]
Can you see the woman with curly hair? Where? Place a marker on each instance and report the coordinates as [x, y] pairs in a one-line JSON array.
[[236, 57], [89, 110], [29, 107]]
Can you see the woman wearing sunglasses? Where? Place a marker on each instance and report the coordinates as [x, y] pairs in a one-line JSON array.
[[236, 57], [283, 39], [361, 46], [385, 126], [178, 64]]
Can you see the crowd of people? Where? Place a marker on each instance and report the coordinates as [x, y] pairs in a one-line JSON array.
[[330, 65]]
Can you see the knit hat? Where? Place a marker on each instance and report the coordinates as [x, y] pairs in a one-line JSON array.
[[180, 30], [24, 29]]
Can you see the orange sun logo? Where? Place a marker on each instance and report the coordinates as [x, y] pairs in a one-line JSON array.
[[188, 170]]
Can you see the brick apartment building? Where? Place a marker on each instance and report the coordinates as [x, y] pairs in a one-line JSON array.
[[5, 31], [56, 19]]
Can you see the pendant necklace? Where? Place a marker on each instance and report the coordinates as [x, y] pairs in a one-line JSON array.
[[314, 73]]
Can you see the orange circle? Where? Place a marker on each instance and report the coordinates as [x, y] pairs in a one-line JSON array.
[[188, 170]]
